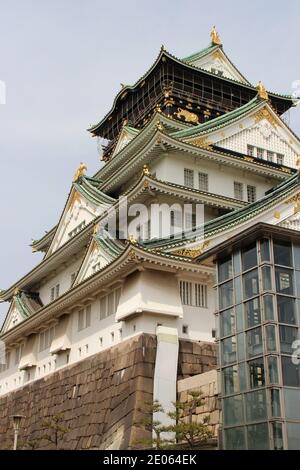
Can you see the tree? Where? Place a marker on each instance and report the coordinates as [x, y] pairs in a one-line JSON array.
[[187, 432], [154, 427], [56, 428]]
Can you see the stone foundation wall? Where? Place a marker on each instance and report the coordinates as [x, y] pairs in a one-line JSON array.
[[96, 400]]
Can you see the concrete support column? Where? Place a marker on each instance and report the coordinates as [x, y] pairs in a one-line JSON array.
[[165, 373]]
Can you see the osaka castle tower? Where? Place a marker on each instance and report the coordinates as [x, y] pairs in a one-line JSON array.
[[205, 292]]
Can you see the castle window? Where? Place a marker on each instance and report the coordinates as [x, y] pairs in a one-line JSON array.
[[18, 353], [270, 156], [73, 275], [188, 178], [200, 295], [280, 159], [186, 292], [250, 150], [193, 294], [251, 193], [45, 339], [54, 292], [260, 153], [84, 318], [5, 366], [185, 329], [203, 181], [238, 190], [109, 303]]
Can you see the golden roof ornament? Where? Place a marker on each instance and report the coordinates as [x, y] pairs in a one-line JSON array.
[[215, 38], [146, 171], [262, 92], [132, 240], [80, 171], [298, 163], [17, 291]]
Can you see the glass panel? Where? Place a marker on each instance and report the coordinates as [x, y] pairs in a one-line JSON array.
[[265, 250], [297, 256], [282, 253], [286, 310], [271, 338], [249, 257], [238, 290], [277, 436], [227, 322], [254, 342], [266, 277], [293, 432], [233, 410], [275, 403], [258, 437], [239, 312], [237, 263], [292, 401], [242, 376], [224, 269], [226, 295], [235, 439], [290, 372], [230, 380], [298, 283], [256, 406], [228, 350], [287, 335], [250, 281], [284, 281], [256, 373], [268, 307], [241, 346], [273, 370], [252, 311]]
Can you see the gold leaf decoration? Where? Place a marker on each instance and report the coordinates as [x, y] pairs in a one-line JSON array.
[[266, 114], [193, 252]]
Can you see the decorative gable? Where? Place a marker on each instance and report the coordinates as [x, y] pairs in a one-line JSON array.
[[127, 135], [100, 253], [217, 62], [22, 306]]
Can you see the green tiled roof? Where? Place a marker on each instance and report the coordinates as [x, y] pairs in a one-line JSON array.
[[89, 188]]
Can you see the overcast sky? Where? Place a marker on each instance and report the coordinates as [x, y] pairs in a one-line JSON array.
[[63, 61]]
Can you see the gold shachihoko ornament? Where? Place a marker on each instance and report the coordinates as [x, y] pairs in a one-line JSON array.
[[80, 171], [262, 92], [215, 38]]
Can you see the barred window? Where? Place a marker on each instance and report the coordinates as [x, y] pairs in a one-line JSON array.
[[188, 178], [109, 303], [200, 295], [260, 153], [186, 292], [54, 292], [250, 150], [203, 181], [280, 159], [251, 193], [84, 318], [5, 366], [193, 294], [238, 190], [46, 338], [270, 156]]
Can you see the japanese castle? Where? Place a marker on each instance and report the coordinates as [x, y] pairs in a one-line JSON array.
[[191, 131]]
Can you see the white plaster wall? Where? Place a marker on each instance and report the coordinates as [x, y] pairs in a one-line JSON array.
[[63, 278], [200, 322], [220, 177]]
